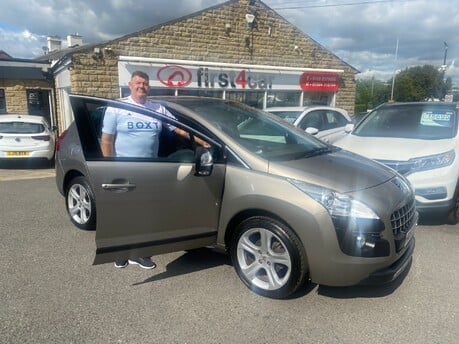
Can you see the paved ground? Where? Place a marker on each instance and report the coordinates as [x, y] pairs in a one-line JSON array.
[[51, 293], [25, 170]]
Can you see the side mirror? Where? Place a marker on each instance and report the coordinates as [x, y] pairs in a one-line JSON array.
[[311, 130], [204, 162], [349, 127]]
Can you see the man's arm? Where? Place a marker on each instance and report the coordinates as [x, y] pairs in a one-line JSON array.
[[107, 141], [185, 134]]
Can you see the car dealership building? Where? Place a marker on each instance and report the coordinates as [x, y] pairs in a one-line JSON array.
[[240, 49]]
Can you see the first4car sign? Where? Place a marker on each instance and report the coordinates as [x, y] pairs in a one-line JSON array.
[[227, 78]]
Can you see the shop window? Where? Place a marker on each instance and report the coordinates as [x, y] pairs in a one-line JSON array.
[[2, 101], [317, 98], [283, 98], [200, 93], [251, 98]]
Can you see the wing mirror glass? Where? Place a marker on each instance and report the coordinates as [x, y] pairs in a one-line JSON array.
[[204, 162]]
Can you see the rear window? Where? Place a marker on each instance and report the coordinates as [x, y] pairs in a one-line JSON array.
[[21, 128], [425, 122]]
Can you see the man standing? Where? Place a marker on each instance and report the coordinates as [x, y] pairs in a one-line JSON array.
[[129, 134]]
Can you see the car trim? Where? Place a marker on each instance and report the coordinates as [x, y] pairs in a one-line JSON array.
[[111, 249]]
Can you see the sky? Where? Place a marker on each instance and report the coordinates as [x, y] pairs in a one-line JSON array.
[[377, 37]]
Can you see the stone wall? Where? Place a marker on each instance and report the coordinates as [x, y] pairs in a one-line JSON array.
[[16, 92], [202, 37]]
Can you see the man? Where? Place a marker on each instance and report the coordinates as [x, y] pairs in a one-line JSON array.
[[129, 134]]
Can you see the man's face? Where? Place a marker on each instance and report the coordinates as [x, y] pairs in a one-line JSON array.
[[139, 88]]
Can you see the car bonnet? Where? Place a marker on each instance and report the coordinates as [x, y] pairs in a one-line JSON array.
[[340, 170], [394, 148]]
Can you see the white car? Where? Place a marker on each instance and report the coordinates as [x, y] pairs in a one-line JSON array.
[[420, 141], [25, 137], [325, 122]]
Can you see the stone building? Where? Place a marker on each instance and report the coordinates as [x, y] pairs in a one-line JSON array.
[[240, 49], [26, 86]]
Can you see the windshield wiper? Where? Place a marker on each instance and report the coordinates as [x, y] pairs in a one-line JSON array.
[[317, 152]]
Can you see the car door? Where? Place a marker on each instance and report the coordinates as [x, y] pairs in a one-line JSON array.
[[331, 124], [147, 206]]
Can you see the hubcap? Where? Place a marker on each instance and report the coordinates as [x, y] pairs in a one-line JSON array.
[[264, 259], [79, 204]]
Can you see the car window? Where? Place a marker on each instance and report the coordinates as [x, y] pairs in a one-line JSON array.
[[289, 116], [314, 119], [334, 119], [157, 130], [416, 121], [21, 128], [257, 131]]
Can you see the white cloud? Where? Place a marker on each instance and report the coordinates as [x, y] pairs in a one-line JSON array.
[[363, 35]]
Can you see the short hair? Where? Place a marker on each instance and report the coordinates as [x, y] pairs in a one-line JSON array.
[[140, 74]]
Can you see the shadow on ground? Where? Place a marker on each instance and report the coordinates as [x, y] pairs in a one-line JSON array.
[[191, 261]]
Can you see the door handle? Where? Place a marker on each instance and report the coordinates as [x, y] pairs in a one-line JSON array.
[[122, 187]]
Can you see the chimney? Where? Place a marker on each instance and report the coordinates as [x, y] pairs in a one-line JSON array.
[[74, 40], [54, 43]]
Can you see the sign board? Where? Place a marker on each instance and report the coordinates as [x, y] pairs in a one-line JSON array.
[[214, 77]]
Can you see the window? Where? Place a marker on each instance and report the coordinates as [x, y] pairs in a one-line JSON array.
[[283, 98], [2, 101], [38, 103]]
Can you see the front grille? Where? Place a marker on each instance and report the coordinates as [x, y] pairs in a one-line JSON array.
[[402, 220]]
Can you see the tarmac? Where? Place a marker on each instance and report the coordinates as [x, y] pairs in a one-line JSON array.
[[18, 171]]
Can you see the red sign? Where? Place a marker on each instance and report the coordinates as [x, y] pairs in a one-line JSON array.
[[174, 76], [319, 81]]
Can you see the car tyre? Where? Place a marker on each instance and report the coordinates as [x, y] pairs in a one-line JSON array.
[[453, 214], [268, 257], [80, 204]]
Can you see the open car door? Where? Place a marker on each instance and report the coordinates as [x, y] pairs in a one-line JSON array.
[[153, 205]]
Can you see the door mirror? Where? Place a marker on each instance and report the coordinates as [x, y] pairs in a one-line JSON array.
[[204, 162], [349, 127], [311, 130]]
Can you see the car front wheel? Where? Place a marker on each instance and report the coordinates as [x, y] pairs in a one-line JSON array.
[[268, 257], [80, 203]]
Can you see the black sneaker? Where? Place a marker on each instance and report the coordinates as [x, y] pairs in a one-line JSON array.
[[144, 263], [121, 264]]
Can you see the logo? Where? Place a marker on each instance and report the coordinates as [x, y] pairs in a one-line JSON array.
[[174, 76]]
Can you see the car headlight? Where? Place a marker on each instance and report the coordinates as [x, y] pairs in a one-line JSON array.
[[337, 204], [433, 161], [358, 228]]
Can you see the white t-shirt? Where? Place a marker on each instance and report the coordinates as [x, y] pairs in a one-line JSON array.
[[136, 135]]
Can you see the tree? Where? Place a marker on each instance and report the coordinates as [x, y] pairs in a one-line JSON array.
[[420, 83], [412, 84], [370, 93]]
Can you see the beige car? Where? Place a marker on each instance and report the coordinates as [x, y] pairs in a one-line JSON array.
[[285, 206]]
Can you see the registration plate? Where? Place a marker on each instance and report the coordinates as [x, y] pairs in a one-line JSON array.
[[17, 153]]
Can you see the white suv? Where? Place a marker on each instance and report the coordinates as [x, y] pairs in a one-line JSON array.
[[420, 141]]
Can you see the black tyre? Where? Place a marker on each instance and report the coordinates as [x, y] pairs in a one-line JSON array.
[[80, 204], [453, 215], [268, 257]]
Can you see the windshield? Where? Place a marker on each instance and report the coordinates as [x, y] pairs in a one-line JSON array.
[[259, 132], [425, 122], [289, 116], [21, 128]]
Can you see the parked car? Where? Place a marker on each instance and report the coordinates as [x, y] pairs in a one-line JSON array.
[[26, 137], [284, 205], [420, 141], [325, 122]]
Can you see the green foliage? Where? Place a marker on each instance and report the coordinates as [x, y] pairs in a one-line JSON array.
[[412, 84], [370, 93]]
